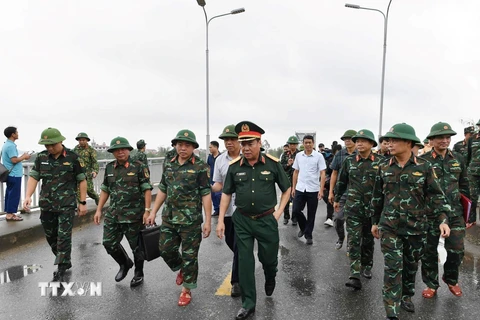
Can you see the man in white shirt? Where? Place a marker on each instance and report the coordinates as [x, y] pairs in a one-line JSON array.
[[230, 138], [308, 184]]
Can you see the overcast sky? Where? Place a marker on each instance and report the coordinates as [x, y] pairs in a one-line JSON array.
[[137, 68]]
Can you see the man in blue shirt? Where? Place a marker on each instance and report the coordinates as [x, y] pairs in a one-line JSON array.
[[212, 157], [13, 163]]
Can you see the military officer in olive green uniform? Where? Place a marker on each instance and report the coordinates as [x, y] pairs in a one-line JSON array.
[[461, 146], [89, 157], [127, 184], [473, 164], [405, 187], [61, 173], [286, 161], [357, 175], [140, 154], [252, 178], [184, 188], [451, 171]]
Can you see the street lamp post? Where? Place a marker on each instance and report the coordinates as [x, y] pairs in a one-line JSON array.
[[207, 22], [385, 23]]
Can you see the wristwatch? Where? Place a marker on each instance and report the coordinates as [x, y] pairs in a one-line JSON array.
[[83, 202], [148, 209]]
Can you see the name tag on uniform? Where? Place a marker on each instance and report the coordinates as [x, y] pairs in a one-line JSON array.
[[191, 171], [131, 174], [456, 164], [66, 163], [265, 172], [417, 174], [241, 173], [388, 174], [44, 163], [375, 167], [110, 175]]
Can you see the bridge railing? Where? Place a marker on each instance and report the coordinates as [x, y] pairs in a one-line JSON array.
[[155, 165]]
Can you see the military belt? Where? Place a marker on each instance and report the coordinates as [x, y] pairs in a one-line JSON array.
[[257, 216]]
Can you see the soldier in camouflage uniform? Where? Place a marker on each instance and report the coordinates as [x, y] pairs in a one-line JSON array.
[[89, 157], [357, 175], [252, 177], [184, 188], [140, 154], [286, 161], [461, 146], [473, 164], [127, 184], [404, 186], [451, 171], [61, 173]]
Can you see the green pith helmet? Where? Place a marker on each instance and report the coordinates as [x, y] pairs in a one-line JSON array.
[[141, 144], [187, 136], [365, 134], [348, 134], [402, 131], [228, 132], [440, 129], [119, 143], [82, 135], [301, 148], [293, 140], [51, 136], [419, 145], [467, 130], [426, 141]]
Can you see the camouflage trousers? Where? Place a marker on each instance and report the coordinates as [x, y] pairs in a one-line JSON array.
[[58, 231], [474, 194], [90, 190], [189, 236], [113, 233], [455, 252], [360, 242], [401, 255]]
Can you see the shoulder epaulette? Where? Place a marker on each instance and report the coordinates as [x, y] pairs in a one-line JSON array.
[[234, 160], [272, 157]]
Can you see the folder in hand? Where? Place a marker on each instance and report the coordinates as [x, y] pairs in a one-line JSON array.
[[467, 207]]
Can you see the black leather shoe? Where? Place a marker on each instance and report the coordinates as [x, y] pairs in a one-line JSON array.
[[269, 287], [354, 283], [244, 313], [236, 292], [367, 273], [301, 233], [285, 221], [309, 241], [122, 273], [294, 223], [407, 305], [137, 279]]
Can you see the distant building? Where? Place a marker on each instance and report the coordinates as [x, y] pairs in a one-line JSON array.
[[99, 147]]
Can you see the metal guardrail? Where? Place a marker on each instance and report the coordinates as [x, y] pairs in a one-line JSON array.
[[155, 165]]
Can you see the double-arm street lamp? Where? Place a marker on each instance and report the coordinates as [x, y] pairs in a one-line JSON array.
[[207, 22], [385, 23]]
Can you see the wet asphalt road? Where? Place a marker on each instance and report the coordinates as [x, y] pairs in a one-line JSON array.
[[310, 284]]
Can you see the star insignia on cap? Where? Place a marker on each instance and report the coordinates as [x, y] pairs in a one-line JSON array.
[[117, 142], [361, 132], [45, 137], [186, 134], [227, 130], [445, 127], [245, 127]]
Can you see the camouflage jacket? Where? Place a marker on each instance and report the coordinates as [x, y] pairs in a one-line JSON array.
[[126, 185], [89, 157], [451, 172], [140, 156], [473, 155], [284, 162], [401, 196], [461, 147], [60, 178], [185, 185], [254, 186], [358, 176]]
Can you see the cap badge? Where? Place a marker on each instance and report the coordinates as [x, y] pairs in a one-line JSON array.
[[117, 142], [186, 134], [245, 128], [445, 127], [361, 132], [45, 137], [227, 130]]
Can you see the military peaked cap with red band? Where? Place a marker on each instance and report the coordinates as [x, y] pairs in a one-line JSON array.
[[247, 130]]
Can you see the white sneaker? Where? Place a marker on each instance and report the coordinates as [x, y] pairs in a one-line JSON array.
[[328, 222]]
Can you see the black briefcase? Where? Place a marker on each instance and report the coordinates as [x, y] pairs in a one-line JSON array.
[[148, 242]]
